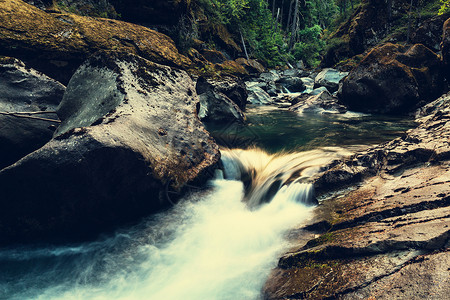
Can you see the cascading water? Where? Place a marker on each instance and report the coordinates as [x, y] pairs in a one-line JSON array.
[[218, 243]]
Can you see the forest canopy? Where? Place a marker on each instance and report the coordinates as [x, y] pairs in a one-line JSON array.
[[280, 31]]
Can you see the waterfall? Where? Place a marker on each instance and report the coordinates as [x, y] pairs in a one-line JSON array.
[[268, 175], [217, 243]]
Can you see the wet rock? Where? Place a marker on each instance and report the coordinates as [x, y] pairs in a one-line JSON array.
[[257, 95], [129, 139], [322, 103], [330, 79], [233, 88], [56, 44], [271, 76], [393, 80], [392, 229], [25, 90], [318, 90], [308, 83], [292, 84], [217, 107], [251, 65]]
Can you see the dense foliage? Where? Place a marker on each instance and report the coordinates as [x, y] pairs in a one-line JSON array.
[[445, 6]]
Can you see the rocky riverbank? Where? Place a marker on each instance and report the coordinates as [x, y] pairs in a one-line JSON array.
[[389, 236]]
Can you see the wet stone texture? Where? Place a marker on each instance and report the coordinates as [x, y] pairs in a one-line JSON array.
[[387, 237]]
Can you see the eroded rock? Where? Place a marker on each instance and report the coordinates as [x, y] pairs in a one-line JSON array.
[[129, 138], [392, 229], [24, 90]]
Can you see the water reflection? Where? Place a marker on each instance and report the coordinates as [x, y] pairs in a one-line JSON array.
[[275, 129]]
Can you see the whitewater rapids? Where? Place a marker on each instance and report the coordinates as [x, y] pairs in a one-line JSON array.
[[218, 243]]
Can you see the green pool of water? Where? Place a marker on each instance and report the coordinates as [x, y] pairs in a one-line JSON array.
[[275, 129]]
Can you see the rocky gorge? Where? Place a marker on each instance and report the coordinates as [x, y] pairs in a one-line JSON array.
[[101, 128]]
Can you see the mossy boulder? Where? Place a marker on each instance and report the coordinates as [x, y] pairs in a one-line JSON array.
[[393, 79], [57, 44], [129, 142]]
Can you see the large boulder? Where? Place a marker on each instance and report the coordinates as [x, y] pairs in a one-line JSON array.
[[129, 139], [28, 101], [392, 79], [292, 84], [231, 87], [252, 66], [57, 44], [256, 95], [330, 79], [221, 100], [429, 32]]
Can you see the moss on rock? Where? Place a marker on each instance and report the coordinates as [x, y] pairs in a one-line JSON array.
[[56, 44]]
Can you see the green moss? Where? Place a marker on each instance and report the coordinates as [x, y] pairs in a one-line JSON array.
[[324, 238]]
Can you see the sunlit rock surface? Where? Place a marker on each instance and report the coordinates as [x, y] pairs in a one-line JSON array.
[[393, 229]]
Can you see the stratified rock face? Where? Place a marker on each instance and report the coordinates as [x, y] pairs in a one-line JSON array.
[[393, 230], [445, 46], [25, 90], [129, 136], [391, 80], [57, 44]]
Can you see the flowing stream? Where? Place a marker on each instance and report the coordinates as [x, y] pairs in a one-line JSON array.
[[219, 242]]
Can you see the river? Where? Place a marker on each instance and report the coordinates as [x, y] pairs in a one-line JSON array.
[[220, 241]]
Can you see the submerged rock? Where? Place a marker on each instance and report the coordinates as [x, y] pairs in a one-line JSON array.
[[393, 80], [24, 90], [129, 136], [56, 44]]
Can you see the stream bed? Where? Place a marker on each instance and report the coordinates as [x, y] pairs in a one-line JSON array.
[[220, 241]]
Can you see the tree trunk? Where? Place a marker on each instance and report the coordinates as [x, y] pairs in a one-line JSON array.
[[273, 9], [408, 35], [294, 27], [289, 15], [243, 44]]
